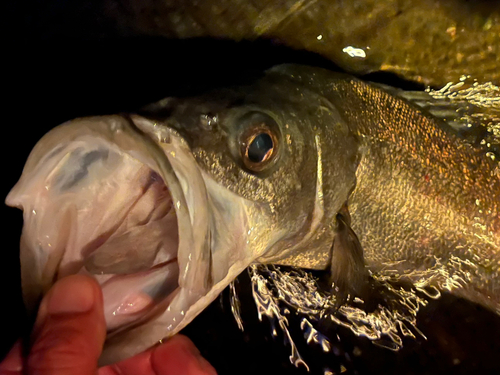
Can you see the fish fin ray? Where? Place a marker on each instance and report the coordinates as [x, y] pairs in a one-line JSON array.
[[348, 274]]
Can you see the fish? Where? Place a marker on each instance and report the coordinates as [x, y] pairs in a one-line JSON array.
[[431, 42], [300, 167]]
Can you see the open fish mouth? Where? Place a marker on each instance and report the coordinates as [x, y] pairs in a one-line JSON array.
[[115, 197]]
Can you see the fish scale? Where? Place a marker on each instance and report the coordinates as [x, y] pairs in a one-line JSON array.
[[420, 176]]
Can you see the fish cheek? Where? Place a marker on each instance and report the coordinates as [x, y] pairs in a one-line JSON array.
[[286, 190]]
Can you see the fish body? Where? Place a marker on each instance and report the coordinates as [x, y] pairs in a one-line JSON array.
[[166, 207], [426, 203]]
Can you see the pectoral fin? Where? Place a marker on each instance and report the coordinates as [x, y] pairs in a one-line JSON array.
[[349, 276]]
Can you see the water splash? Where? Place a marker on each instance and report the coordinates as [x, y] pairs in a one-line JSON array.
[[311, 335], [267, 305], [477, 105], [235, 304], [480, 94], [276, 292]]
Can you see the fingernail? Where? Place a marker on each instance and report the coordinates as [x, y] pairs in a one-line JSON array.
[[74, 294]]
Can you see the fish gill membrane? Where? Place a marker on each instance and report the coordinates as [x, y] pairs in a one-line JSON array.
[[166, 207]]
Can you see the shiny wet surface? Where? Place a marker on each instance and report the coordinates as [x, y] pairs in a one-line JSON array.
[[54, 82]]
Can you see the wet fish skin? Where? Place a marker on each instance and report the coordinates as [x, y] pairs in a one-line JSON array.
[[412, 189], [427, 203], [228, 214], [309, 127], [290, 209]]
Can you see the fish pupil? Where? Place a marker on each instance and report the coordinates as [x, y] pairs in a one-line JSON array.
[[260, 147]]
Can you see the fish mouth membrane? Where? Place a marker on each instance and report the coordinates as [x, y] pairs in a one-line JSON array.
[[137, 264], [101, 198]]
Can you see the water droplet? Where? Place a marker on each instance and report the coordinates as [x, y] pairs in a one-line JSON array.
[[165, 138], [268, 306], [326, 346], [354, 52], [319, 37], [235, 305]]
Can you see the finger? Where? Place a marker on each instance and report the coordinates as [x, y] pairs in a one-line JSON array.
[[12, 364], [137, 365], [70, 329], [177, 356]]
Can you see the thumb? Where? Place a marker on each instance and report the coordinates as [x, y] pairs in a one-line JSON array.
[[70, 329]]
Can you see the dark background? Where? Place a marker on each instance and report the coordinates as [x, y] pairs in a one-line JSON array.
[[51, 76]]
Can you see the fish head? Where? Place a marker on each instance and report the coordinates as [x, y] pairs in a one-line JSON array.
[[166, 207]]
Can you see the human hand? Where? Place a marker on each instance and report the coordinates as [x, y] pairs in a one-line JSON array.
[[69, 334]]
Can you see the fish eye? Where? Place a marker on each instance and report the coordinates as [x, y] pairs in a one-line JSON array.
[[259, 148], [259, 141]]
